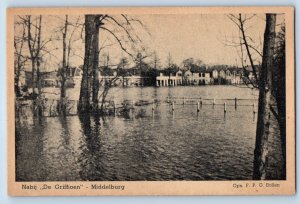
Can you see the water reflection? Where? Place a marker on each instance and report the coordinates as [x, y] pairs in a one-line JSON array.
[[91, 157], [29, 147]]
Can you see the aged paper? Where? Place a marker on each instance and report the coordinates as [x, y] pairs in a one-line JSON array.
[[151, 101]]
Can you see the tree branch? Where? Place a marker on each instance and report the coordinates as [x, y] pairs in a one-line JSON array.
[[118, 40]]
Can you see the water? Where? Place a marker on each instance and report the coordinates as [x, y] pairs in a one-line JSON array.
[[159, 145]]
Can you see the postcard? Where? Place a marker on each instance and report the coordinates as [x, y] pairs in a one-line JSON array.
[[151, 101]]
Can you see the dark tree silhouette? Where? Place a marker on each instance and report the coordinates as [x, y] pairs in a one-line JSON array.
[[113, 25], [265, 90], [270, 81]]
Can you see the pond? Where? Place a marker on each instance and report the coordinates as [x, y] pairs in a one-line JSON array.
[[147, 145]]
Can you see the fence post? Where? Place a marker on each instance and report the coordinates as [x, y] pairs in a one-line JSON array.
[[173, 106], [153, 105], [254, 111], [114, 108], [225, 107], [198, 107], [130, 111], [235, 103]]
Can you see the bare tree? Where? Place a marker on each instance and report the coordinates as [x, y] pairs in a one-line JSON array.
[[248, 51], [113, 25], [265, 90], [36, 45], [34, 49], [279, 93], [65, 35], [169, 60], [91, 60], [33, 54], [155, 61], [67, 42], [263, 82], [64, 62], [20, 58], [139, 61]]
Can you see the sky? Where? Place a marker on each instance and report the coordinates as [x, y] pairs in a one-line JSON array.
[[207, 37], [198, 36]]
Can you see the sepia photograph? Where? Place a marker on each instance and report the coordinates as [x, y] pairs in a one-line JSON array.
[[141, 95]]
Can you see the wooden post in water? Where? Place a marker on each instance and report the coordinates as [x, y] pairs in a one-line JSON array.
[[153, 105], [235, 103], [183, 100], [198, 107], [254, 111], [114, 108], [168, 99], [77, 103], [225, 108], [130, 111], [201, 103], [173, 107], [214, 102], [153, 108]]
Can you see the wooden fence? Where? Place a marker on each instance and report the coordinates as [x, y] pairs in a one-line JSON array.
[[49, 107]]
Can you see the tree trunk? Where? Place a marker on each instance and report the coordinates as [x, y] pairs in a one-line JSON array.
[[63, 70], [263, 117], [280, 95], [19, 64], [17, 78], [32, 57], [282, 128], [38, 58], [95, 89], [38, 76], [91, 49]]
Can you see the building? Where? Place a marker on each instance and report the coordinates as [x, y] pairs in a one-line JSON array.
[[187, 77], [171, 80], [162, 80], [114, 77], [201, 75], [233, 76]]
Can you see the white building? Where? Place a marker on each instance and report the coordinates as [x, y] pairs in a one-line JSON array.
[[172, 80]]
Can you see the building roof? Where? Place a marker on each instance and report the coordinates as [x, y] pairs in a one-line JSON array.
[[224, 68]]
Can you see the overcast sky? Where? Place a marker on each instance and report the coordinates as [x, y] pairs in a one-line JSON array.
[[205, 37]]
